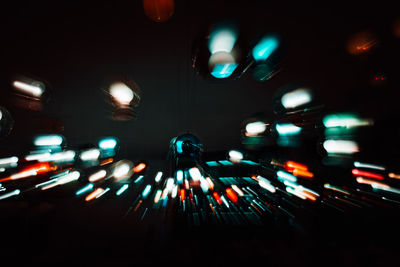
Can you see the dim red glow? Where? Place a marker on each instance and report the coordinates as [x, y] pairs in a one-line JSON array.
[[140, 167], [217, 198], [357, 172], [231, 195], [159, 10], [302, 173], [291, 165], [361, 43], [182, 194]]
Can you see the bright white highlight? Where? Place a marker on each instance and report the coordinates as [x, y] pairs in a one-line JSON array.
[[341, 146], [121, 92], [256, 127], [222, 40], [48, 140], [296, 98], [33, 90], [97, 176]]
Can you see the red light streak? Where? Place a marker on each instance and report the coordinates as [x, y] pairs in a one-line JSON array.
[[357, 172], [217, 198], [231, 195]]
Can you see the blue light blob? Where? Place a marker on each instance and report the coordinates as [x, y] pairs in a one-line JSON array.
[[265, 48]]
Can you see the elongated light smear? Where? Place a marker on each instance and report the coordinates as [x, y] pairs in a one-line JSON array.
[[48, 140], [296, 98], [157, 196], [286, 176], [286, 129], [222, 40], [195, 173], [266, 184], [97, 176], [347, 120], [8, 161], [86, 188], [146, 191], [102, 193], [107, 143], [35, 90], [358, 172], [256, 127], [341, 147], [263, 49], [122, 189], [140, 178], [158, 177], [358, 164], [10, 194], [237, 190], [94, 194], [179, 176], [90, 154]]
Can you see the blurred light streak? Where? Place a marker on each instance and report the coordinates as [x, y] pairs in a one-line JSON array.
[[385, 188], [121, 93], [195, 173], [237, 189], [347, 120], [394, 175], [296, 98], [217, 198], [222, 40], [368, 166], [174, 191], [357, 172], [32, 170], [235, 156], [256, 127], [179, 176], [286, 176], [122, 169], [225, 201], [266, 184], [106, 161], [107, 143], [302, 173], [187, 185], [11, 161], [210, 183], [122, 189], [294, 192], [140, 167], [86, 188], [48, 140], [182, 194], [264, 48], [157, 179], [362, 180], [157, 196], [64, 156], [10, 194], [231, 195], [38, 156], [140, 178], [335, 188], [285, 129], [102, 193], [291, 165], [146, 191], [90, 154], [340, 146], [94, 194], [204, 185], [170, 184], [223, 69], [97, 176], [35, 90]]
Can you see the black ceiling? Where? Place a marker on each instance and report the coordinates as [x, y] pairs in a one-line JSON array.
[[76, 48]]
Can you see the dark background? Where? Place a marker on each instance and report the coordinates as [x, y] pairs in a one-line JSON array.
[[76, 48]]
